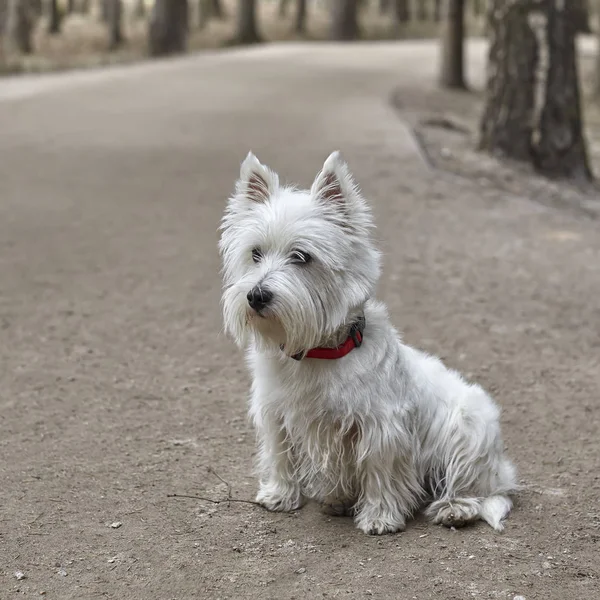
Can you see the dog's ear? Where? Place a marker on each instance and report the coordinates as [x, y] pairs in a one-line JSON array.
[[334, 183], [257, 182]]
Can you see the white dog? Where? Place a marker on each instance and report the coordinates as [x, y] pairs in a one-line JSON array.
[[346, 414]]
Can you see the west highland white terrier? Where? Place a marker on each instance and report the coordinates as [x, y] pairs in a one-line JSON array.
[[345, 413]]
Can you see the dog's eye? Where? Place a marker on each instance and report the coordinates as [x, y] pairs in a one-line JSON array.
[[300, 258], [256, 255]]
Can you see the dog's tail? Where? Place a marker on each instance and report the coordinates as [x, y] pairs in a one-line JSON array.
[[494, 509]]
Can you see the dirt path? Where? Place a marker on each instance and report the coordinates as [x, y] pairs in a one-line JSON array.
[[119, 389]]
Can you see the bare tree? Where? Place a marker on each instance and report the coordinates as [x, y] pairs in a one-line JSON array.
[[344, 21], [115, 23], [300, 23], [168, 27], [18, 26], [247, 28], [452, 47], [54, 17], [532, 110]]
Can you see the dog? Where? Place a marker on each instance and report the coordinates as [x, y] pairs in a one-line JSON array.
[[345, 413]]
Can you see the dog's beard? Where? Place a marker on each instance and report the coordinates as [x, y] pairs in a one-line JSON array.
[[296, 320]]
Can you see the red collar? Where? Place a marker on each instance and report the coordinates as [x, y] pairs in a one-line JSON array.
[[354, 340]]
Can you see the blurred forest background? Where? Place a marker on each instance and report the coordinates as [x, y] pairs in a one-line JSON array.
[[540, 85]]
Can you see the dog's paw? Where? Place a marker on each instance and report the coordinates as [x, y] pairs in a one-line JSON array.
[[380, 525], [454, 513], [279, 498], [338, 508]]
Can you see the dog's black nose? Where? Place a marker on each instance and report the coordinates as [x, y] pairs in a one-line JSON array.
[[258, 298]]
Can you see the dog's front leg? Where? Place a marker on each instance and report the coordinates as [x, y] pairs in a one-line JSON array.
[[387, 496], [279, 488]]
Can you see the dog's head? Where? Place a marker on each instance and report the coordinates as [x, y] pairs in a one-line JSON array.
[[295, 262]]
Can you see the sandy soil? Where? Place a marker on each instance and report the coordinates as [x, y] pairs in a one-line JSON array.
[[119, 389]]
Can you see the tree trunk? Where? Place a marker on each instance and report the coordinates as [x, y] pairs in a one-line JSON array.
[[581, 16], [104, 10], [437, 10], [384, 6], [300, 24], [421, 13], [168, 27], [532, 110], [597, 90], [477, 8], [53, 17], [344, 21], [282, 9], [3, 7], [216, 9], [70, 6], [18, 26], [247, 29], [115, 21], [401, 9], [452, 46], [139, 9]]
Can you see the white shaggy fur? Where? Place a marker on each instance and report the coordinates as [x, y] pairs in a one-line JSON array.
[[380, 432]]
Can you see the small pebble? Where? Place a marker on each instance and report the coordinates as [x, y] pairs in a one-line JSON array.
[[300, 570], [519, 598], [19, 575], [62, 572], [116, 524]]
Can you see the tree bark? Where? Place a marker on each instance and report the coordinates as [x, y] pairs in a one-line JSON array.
[[532, 111], [437, 10], [53, 17], [115, 22], [421, 12], [384, 6], [168, 27], [344, 20], [477, 7], [247, 28], [452, 46], [300, 22], [18, 26]]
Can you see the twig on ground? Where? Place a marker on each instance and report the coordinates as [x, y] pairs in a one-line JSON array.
[[213, 501], [205, 499], [211, 470]]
